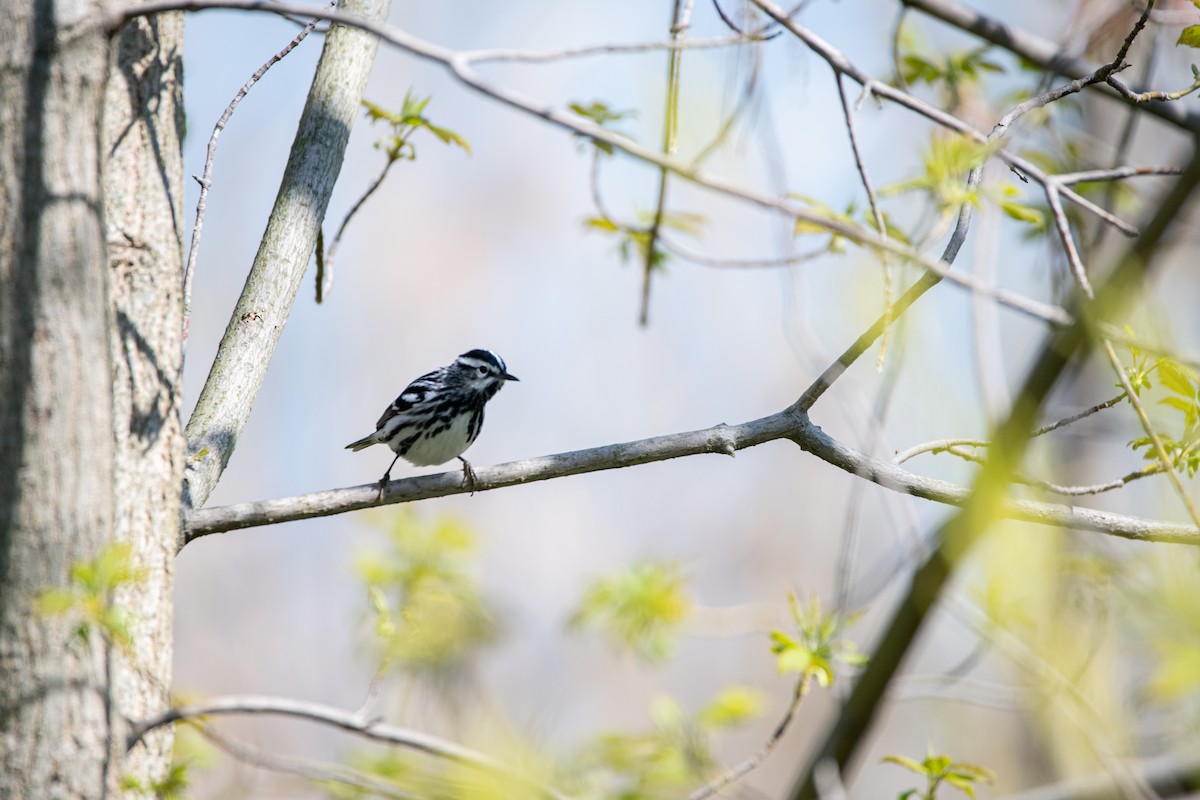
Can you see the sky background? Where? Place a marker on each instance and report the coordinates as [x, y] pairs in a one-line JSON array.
[[490, 250]]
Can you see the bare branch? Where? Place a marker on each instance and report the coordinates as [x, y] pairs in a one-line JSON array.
[[1114, 174], [841, 64], [723, 439], [1042, 52], [338, 718], [460, 66]]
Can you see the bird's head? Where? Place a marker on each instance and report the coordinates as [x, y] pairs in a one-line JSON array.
[[482, 371]]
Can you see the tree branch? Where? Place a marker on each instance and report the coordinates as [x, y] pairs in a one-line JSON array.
[[748, 765], [723, 439], [287, 244], [1040, 51], [345, 720], [460, 65]]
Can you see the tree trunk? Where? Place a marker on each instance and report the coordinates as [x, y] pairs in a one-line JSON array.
[[144, 221], [59, 735]]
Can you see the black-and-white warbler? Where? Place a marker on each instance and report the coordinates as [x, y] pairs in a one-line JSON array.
[[438, 416]]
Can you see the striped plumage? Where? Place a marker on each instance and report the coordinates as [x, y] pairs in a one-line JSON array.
[[439, 415]]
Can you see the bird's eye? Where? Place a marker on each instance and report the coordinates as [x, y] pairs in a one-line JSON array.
[[483, 371]]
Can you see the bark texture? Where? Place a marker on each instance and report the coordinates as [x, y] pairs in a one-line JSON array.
[[59, 737], [143, 212]]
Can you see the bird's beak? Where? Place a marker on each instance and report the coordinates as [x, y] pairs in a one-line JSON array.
[[508, 377]]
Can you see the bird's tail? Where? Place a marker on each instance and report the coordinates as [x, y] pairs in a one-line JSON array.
[[364, 442]]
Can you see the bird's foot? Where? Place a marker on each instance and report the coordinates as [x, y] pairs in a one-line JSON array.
[[383, 482], [468, 475]]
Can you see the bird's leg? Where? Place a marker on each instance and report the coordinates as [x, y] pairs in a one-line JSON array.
[[468, 474], [387, 476]]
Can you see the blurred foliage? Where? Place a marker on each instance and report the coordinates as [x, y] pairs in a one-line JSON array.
[[814, 647], [1165, 601], [675, 756], [1054, 599], [404, 124], [939, 769], [639, 608], [523, 775], [670, 760], [89, 599], [429, 615]]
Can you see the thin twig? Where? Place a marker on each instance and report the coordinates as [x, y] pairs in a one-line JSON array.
[[205, 180], [542, 56], [1064, 232], [1114, 174], [848, 541], [695, 256], [324, 280], [876, 214], [680, 20], [1087, 412], [1066, 491], [1143, 97], [739, 771]]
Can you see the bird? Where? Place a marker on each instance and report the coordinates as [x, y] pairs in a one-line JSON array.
[[439, 415]]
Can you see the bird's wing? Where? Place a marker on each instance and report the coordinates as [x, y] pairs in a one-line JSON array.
[[419, 391]]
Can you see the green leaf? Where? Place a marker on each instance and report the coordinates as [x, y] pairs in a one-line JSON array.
[[961, 783], [1186, 406], [1023, 213], [1189, 36], [1176, 377], [971, 772], [906, 762]]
